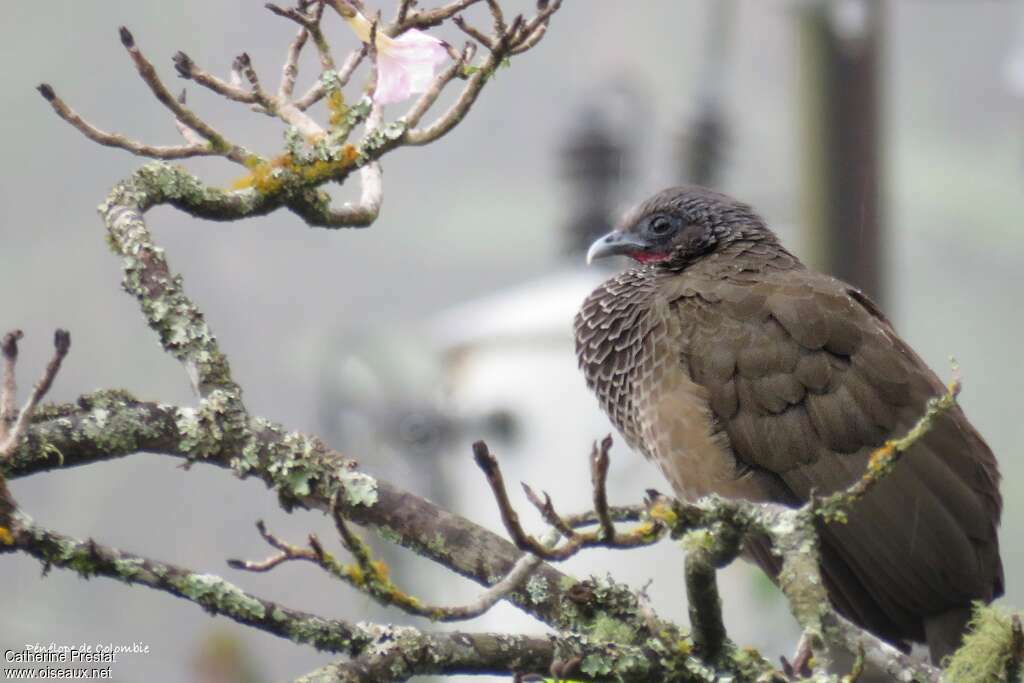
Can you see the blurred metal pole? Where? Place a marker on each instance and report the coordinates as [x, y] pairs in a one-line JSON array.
[[700, 146], [594, 165], [841, 125]]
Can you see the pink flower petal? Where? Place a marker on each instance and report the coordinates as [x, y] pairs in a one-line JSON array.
[[393, 82], [405, 65]]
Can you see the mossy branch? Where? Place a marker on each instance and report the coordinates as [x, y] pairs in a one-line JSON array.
[[306, 473]]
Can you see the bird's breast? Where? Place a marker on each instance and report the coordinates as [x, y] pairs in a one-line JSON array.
[[677, 426], [628, 343]]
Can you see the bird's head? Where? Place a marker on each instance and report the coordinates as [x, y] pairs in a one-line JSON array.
[[679, 225]]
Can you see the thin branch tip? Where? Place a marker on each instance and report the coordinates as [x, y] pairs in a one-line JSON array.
[[10, 344], [183, 64], [62, 342], [47, 91], [482, 454], [127, 39]]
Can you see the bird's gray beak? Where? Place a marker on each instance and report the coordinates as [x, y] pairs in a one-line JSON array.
[[615, 243]]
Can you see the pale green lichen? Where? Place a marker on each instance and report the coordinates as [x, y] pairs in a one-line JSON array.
[[391, 536], [358, 488], [596, 664], [217, 594], [987, 650], [608, 630], [128, 568], [112, 430], [70, 554], [537, 589], [211, 426], [436, 544], [379, 138], [323, 634]]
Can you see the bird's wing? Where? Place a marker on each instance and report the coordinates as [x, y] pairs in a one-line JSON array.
[[805, 377]]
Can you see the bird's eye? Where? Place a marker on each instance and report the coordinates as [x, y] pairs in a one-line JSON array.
[[661, 225]]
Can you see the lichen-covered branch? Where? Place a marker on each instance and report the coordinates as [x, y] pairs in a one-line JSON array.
[[380, 652], [316, 153], [373, 577], [178, 322], [215, 595], [304, 472], [603, 629], [707, 551]]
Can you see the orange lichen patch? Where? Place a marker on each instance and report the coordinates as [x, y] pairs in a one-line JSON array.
[[354, 574], [5, 536], [336, 107], [262, 175], [270, 177], [882, 456], [320, 171], [381, 569], [662, 512]]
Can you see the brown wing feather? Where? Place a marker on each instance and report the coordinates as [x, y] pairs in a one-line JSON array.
[[807, 379]]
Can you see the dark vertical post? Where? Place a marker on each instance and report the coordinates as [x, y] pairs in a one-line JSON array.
[[840, 126], [700, 147], [594, 165]]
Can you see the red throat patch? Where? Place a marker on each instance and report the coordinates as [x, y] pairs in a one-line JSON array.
[[649, 256]]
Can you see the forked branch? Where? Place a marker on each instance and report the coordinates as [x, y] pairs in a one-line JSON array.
[[318, 152]]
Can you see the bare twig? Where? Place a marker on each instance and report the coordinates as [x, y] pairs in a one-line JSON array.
[[290, 70], [644, 534], [261, 101], [217, 141], [9, 396], [429, 17], [312, 25], [299, 17], [61, 343], [403, 10], [190, 136], [498, 17], [473, 32], [243, 63], [547, 511], [316, 92], [188, 70], [371, 577], [120, 141], [598, 478], [530, 33]]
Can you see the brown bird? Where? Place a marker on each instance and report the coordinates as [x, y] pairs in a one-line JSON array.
[[743, 373]]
